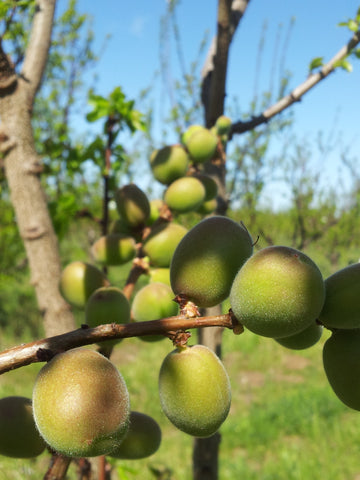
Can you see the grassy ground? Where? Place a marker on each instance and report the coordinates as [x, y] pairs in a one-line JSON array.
[[284, 423]]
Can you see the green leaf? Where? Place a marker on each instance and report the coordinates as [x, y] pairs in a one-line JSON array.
[[316, 63], [344, 64]]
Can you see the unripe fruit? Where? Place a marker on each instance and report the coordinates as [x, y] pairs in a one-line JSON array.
[[342, 300], [208, 207], [107, 305], [161, 275], [160, 245], [19, 437], [79, 280], [142, 439], [202, 146], [223, 124], [152, 302], [169, 163], [185, 194], [194, 388], [133, 205], [210, 185], [190, 131], [207, 259], [304, 339], [114, 249], [342, 365], [278, 292], [81, 404], [155, 207]]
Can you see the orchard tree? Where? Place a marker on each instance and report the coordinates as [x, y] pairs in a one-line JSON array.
[[19, 84]]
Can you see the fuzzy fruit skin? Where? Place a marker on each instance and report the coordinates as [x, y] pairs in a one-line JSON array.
[[185, 194], [114, 249], [304, 339], [223, 125], [142, 440], [341, 362], [152, 302], [107, 305], [207, 259], [169, 163], [342, 300], [202, 146], [161, 274], [79, 280], [190, 131], [81, 404], [194, 388], [19, 437], [210, 185], [155, 207], [278, 292], [160, 245], [133, 205]]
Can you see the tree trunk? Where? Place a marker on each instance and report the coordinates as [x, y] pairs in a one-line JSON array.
[[23, 168]]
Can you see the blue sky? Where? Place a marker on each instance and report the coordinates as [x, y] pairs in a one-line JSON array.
[[132, 54]]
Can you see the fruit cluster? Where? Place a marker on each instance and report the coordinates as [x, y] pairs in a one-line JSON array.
[[276, 292]]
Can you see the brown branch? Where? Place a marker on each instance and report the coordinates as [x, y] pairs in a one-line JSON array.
[[44, 349], [38, 48], [299, 91]]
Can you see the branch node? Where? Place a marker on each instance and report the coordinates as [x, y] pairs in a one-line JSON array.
[[44, 354]]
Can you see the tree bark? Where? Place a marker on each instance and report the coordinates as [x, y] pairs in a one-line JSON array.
[[23, 169]]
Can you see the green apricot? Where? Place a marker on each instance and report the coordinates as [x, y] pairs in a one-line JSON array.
[[223, 125], [19, 437], [190, 131], [304, 339], [161, 275], [107, 305], [342, 300], [194, 388], [202, 146], [278, 292], [79, 280], [160, 245], [114, 249], [155, 207], [133, 205], [207, 259], [169, 163], [185, 194], [81, 404], [210, 185], [342, 365], [208, 207], [152, 302], [142, 439]]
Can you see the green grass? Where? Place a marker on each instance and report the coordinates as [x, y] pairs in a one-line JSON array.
[[284, 423]]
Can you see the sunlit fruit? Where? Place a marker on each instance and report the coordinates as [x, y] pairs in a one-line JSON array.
[[194, 389], [185, 194], [81, 404], [107, 305], [114, 249], [304, 339], [208, 207], [342, 365], [19, 437], [132, 204], [79, 280], [202, 145], [222, 125], [278, 292], [152, 302], [169, 163], [342, 300], [160, 245], [155, 207], [207, 259], [142, 439], [161, 275], [190, 131]]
